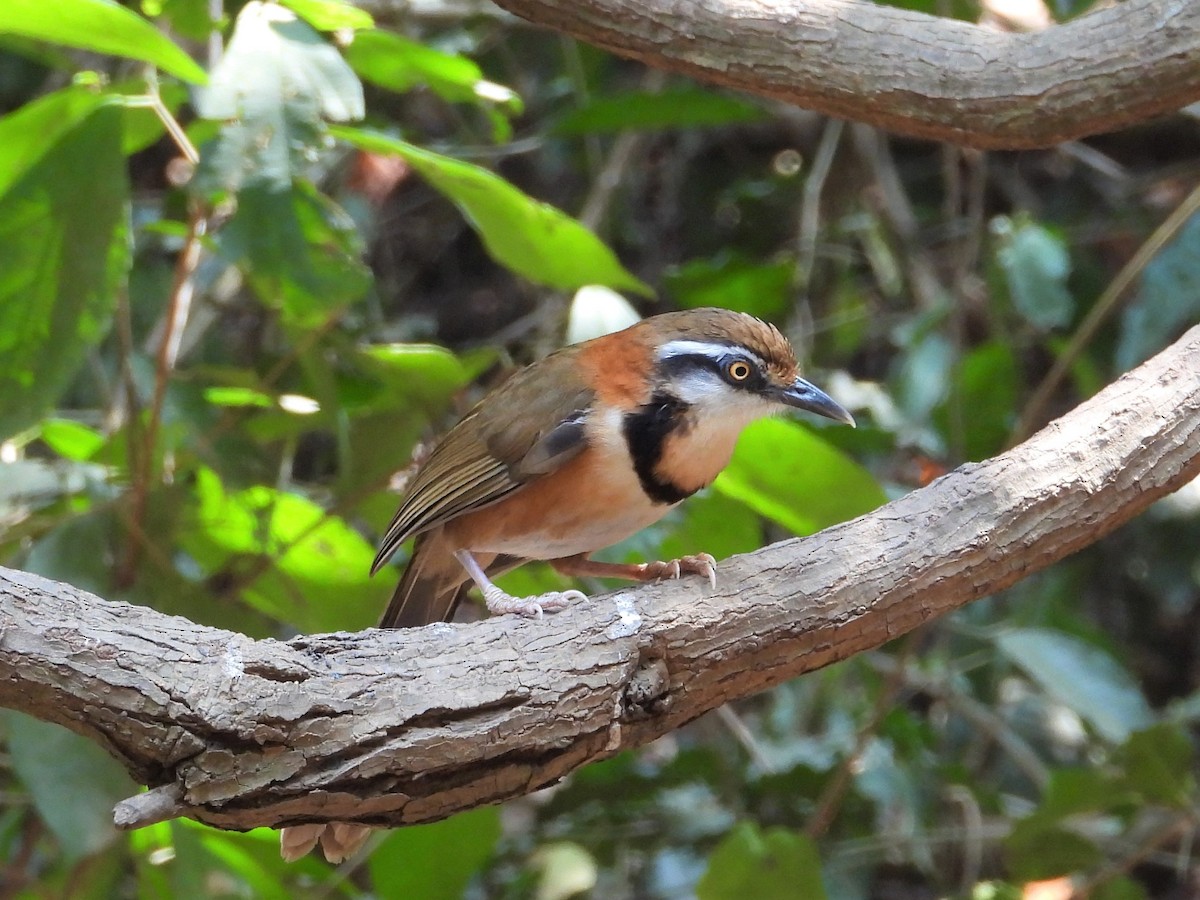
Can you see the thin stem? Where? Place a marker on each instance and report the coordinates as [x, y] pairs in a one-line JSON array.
[[1034, 410]]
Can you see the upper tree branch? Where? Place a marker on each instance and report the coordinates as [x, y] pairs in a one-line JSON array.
[[408, 726], [909, 72]]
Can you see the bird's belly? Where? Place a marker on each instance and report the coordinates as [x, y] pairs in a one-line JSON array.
[[592, 502]]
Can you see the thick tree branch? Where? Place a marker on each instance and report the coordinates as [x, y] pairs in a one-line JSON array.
[[909, 72], [409, 726]]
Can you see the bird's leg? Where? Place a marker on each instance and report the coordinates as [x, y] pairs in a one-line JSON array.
[[700, 564], [500, 602]]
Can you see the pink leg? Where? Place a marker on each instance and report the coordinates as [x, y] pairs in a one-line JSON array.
[[499, 602], [700, 564]]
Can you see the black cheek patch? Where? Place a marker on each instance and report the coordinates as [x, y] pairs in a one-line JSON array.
[[646, 431]]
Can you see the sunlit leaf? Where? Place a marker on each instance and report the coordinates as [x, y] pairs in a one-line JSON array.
[[29, 133], [317, 568], [1081, 676], [100, 26], [64, 250], [531, 238], [784, 471], [687, 108], [71, 439], [276, 84], [330, 15], [771, 864], [399, 64]]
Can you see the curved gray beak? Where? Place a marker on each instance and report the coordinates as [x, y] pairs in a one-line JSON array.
[[805, 395]]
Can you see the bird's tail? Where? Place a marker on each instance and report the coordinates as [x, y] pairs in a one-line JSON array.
[[430, 589]]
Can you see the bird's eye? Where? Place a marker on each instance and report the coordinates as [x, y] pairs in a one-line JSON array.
[[739, 370]]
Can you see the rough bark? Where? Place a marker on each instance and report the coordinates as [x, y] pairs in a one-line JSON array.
[[909, 72], [409, 726]]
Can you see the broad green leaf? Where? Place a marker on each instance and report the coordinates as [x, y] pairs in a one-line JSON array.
[[29, 133], [64, 250], [771, 864], [1168, 301], [1036, 265], [789, 474], [238, 396], [102, 27], [1081, 676], [71, 439], [277, 82], [420, 374], [687, 108], [74, 784], [299, 250], [398, 64], [712, 522], [1036, 851], [330, 15], [763, 290], [317, 571], [435, 862], [1158, 764], [531, 238], [983, 400]]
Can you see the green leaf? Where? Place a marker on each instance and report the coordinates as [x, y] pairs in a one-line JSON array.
[[985, 392], [1038, 851], [102, 27], [1168, 302], [775, 864], [72, 440], [1036, 265], [238, 396], [29, 133], [298, 249], [1158, 764], [318, 573], [330, 15], [418, 374], [74, 784], [641, 111], [763, 290], [435, 862], [531, 238], [274, 86], [64, 251], [1081, 676], [398, 64], [786, 472]]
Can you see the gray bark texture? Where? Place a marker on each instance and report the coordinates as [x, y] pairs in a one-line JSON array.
[[908, 72], [398, 727]]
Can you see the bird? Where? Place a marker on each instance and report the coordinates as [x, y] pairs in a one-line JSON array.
[[572, 454], [581, 450]]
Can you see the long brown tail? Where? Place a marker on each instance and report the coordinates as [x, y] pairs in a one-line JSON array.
[[430, 588]]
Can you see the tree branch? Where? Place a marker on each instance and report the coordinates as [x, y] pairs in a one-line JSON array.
[[909, 72], [409, 726]]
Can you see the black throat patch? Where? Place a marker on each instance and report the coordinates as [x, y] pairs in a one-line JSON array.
[[646, 430]]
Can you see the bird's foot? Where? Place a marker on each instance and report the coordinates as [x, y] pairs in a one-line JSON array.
[[698, 564], [501, 602]]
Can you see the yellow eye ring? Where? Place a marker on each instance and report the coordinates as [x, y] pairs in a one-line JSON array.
[[739, 370]]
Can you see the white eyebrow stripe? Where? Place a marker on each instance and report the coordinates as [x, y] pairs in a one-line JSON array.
[[713, 351]]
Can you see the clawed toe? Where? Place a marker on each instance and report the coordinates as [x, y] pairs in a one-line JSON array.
[[500, 603]]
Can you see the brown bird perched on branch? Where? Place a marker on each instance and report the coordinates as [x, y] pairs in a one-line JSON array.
[[573, 454]]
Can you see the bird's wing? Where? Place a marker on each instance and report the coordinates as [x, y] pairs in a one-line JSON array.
[[495, 449]]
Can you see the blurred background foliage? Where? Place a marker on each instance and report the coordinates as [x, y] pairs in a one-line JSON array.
[[237, 294]]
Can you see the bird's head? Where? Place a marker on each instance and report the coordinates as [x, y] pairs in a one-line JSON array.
[[729, 364]]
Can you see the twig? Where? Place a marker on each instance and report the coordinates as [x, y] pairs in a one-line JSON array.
[[810, 205], [1099, 313]]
